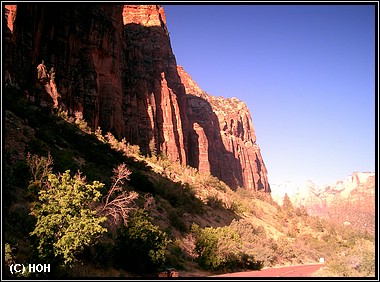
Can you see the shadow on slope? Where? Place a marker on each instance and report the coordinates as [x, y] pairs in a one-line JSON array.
[[33, 129]]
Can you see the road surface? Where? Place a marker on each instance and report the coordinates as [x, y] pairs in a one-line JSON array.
[[286, 271]]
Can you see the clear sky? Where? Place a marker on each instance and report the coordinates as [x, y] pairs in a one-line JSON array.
[[306, 72]]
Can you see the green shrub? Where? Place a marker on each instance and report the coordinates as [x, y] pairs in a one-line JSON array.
[[175, 218], [222, 248], [141, 245], [65, 221], [9, 257], [176, 257]]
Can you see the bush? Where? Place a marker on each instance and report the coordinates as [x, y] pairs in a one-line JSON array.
[[141, 245], [358, 261], [222, 248], [65, 221], [175, 218], [258, 249]]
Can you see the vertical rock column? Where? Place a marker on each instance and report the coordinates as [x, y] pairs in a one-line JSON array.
[[155, 101]]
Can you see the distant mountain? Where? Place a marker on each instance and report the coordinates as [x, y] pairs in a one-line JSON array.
[[348, 201]]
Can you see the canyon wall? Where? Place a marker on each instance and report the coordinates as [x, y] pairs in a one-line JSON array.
[[114, 64], [222, 138]]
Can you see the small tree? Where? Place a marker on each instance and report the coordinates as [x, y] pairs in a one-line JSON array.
[[39, 168], [217, 248], [65, 221], [119, 203], [287, 203]]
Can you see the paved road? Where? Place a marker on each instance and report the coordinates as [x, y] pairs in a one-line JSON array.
[[287, 271]]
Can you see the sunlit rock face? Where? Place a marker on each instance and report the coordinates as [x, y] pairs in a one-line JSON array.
[[155, 104], [222, 138], [114, 64], [145, 15]]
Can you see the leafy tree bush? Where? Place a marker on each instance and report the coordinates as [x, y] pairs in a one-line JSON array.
[[65, 221], [222, 248], [288, 207], [207, 246], [9, 257], [176, 257], [285, 249], [259, 250], [141, 244]]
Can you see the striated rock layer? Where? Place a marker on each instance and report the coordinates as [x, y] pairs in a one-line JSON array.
[[114, 64], [222, 138], [155, 99]]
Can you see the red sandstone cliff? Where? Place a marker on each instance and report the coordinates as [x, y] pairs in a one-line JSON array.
[[155, 104], [115, 65], [222, 138], [84, 44]]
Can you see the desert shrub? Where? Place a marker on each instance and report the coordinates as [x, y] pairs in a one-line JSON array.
[[238, 206], [141, 245], [214, 202], [301, 211], [179, 196], [133, 150], [222, 248], [256, 244], [175, 256], [81, 123], [9, 256], [99, 135], [293, 229], [358, 261], [175, 218], [10, 259], [317, 224], [285, 249], [40, 167], [209, 180]]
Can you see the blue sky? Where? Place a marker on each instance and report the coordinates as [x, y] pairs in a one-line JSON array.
[[306, 72]]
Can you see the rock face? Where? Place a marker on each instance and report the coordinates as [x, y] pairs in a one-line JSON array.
[[114, 64], [222, 138], [155, 100], [84, 45]]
